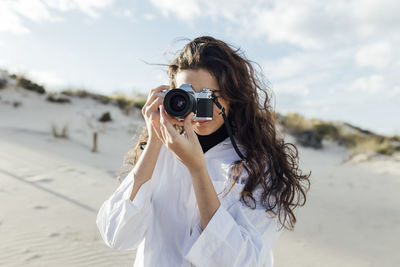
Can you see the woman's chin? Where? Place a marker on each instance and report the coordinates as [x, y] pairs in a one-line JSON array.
[[202, 130], [205, 127]]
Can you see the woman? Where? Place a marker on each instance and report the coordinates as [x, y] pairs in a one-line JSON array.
[[192, 198]]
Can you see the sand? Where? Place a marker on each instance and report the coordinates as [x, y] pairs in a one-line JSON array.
[[52, 188], [352, 214]]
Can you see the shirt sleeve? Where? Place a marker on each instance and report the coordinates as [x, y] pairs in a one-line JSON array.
[[236, 235], [123, 223]]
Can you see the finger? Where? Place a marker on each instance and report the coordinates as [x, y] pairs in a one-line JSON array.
[[154, 105], [166, 123], [157, 131], [159, 89], [155, 92], [187, 125], [164, 134], [151, 112], [162, 127], [173, 120]]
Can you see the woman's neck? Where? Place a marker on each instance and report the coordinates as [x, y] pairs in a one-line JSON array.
[[211, 140]]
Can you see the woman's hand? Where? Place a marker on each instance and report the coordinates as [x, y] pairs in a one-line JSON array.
[[151, 113], [186, 147]]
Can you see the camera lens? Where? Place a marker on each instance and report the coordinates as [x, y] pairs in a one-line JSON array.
[[178, 103]]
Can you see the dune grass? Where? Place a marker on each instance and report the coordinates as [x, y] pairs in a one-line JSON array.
[[358, 140], [121, 100], [28, 84], [124, 102], [3, 83], [60, 133]]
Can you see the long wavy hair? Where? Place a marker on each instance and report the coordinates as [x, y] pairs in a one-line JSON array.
[[271, 164]]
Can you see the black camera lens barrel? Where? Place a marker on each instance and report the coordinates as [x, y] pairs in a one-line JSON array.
[[179, 103]]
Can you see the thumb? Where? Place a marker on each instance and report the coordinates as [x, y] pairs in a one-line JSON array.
[[187, 125]]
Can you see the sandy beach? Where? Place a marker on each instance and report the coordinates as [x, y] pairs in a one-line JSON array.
[[52, 188], [352, 216]]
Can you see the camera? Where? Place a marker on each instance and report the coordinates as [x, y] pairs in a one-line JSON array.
[[180, 101]]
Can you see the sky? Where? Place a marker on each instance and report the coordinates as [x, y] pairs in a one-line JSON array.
[[332, 60]]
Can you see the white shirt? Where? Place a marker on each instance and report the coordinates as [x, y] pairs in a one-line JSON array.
[[163, 220]]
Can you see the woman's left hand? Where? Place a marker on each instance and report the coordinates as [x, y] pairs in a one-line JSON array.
[[186, 147]]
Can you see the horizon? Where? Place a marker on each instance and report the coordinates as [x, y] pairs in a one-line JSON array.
[[316, 64]]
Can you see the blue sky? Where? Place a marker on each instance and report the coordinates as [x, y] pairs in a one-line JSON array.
[[330, 60]]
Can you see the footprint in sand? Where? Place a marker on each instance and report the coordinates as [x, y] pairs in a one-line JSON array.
[[54, 234], [70, 170], [111, 172], [35, 256], [39, 207], [27, 250], [39, 179]]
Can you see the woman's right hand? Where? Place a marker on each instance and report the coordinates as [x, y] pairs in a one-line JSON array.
[[151, 113]]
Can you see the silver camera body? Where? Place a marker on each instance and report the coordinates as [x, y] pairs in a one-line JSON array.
[[179, 102]]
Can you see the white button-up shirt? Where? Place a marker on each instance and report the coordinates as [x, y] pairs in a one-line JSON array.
[[163, 220]]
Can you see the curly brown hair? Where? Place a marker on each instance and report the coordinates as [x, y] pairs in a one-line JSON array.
[[267, 155]]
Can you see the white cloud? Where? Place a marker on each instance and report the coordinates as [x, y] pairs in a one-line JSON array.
[[89, 7], [285, 67], [377, 55], [395, 93], [371, 84], [375, 17], [10, 21], [309, 24], [34, 10], [149, 16], [290, 88], [127, 12], [312, 72], [183, 9], [13, 12]]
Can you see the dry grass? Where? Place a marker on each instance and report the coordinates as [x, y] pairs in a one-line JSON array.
[[63, 133], [24, 82], [358, 140], [124, 102]]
